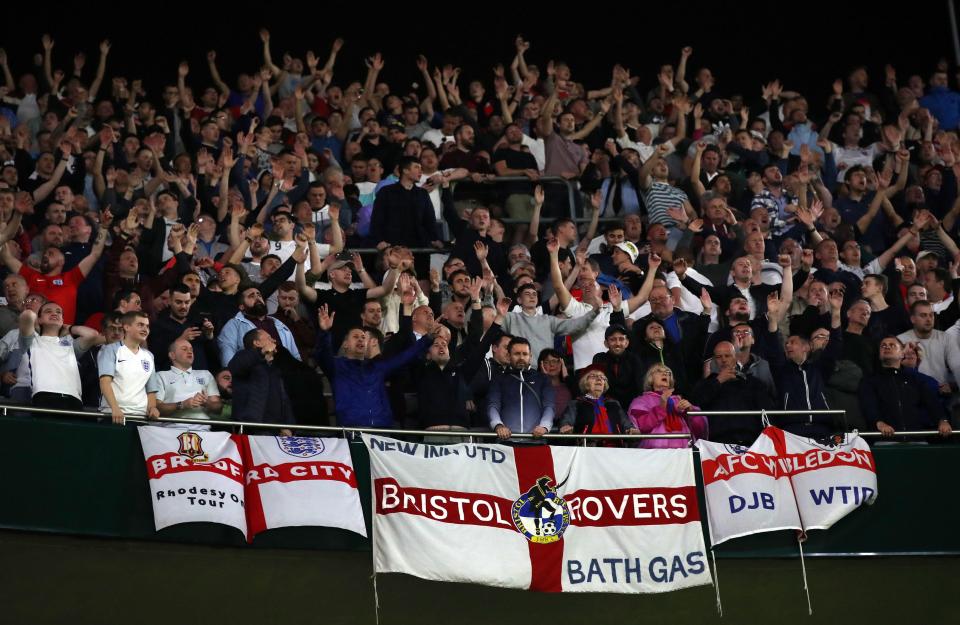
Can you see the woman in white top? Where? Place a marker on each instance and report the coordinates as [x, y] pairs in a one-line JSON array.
[[51, 356]]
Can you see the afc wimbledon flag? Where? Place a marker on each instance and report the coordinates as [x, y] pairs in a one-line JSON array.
[[296, 481], [194, 476], [552, 519], [784, 481]]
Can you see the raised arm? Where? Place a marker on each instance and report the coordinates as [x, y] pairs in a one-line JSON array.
[[545, 121], [86, 265], [560, 289], [215, 74], [584, 132], [638, 300], [644, 174], [101, 71], [306, 292]]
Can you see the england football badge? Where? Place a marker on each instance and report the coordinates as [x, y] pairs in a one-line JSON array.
[[540, 514], [301, 446], [146, 364]]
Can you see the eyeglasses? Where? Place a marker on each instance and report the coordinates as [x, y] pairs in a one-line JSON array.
[[742, 333]]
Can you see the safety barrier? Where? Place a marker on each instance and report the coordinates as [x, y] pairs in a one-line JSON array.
[[5, 409], [76, 473]]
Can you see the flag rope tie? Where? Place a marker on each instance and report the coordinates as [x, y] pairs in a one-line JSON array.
[[803, 567], [716, 580], [376, 598]]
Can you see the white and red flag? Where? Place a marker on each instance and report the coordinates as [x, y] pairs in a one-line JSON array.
[[194, 477], [300, 481], [784, 481], [552, 519]]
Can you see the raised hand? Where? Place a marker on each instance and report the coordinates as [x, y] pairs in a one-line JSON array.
[[503, 306], [481, 250], [325, 318]]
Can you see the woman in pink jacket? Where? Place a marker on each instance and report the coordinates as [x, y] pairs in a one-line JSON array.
[[659, 411]]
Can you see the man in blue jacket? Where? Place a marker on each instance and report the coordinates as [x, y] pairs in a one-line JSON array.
[[521, 399], [359, 385], [943, 103]]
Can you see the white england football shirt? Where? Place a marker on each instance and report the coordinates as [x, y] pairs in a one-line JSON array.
[[133, 376]]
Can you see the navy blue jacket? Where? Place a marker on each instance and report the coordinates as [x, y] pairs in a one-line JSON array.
[[802, 387], [359, 386]]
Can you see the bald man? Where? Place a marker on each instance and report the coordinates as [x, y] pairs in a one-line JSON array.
[[729, 389]]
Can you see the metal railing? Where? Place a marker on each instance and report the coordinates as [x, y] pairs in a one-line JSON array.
[[141, 418]]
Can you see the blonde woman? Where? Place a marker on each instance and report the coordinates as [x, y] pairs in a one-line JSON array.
[[660, 411], [593, 412]]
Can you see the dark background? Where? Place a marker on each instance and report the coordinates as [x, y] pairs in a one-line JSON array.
[[806, 45]]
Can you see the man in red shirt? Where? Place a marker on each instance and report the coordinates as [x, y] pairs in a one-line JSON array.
[[50, 281]]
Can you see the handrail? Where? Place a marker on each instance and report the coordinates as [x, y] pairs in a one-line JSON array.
[[142, 418]]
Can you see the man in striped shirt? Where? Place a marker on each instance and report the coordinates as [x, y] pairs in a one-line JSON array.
[[658, 194]]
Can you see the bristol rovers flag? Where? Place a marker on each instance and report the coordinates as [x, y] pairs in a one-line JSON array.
[[552, 519], [784, 481]]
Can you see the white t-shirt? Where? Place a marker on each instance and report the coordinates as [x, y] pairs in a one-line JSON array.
[[285, 249], [133, 376], [588, 343], [178, 385], [53, 364]]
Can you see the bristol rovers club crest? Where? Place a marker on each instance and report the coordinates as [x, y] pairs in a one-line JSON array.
[[540, 514]]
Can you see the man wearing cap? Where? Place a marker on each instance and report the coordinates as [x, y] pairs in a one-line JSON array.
[[590, 340], [774, 198], [346, 303]]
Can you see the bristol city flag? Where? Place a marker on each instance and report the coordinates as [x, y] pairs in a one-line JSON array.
[[784, 481], [194, 477], [296, 481], [551, 519]]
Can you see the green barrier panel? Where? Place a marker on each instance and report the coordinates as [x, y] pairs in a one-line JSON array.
[[90, 479]]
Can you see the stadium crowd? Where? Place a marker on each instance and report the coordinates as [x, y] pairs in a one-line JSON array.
[[524, 252]]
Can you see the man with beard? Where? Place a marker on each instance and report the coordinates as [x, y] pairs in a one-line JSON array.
[[225, 385], [180, 321], [469, 193], [513, 160], [50, 281], [253, 314]]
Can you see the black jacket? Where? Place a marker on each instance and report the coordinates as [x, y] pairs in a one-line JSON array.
[[403, 217], [624, 373], [443, 396], [899, 398], [258, 392], [803, 387], [741, 393]]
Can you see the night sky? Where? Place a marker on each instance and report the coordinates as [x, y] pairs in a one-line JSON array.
[[744, 44]]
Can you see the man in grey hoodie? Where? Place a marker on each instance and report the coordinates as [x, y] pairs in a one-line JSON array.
[[540, 329]]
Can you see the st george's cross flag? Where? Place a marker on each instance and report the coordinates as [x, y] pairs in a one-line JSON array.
[[300, 481], [552, 519], [252, 483], [784, 481]]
